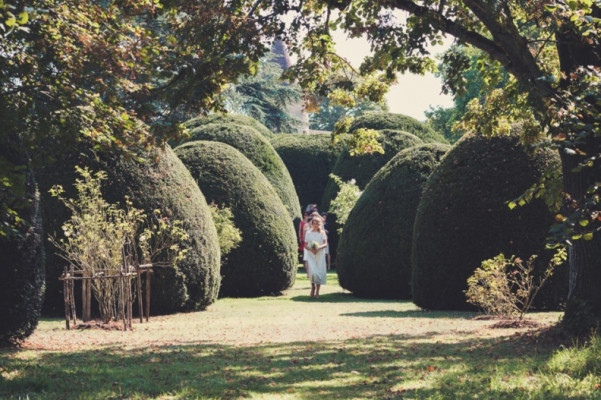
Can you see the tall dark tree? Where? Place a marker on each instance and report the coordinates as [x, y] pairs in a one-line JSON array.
[[551, 49], [265, 97]]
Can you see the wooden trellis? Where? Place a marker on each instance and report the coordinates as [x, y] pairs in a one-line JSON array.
[[123, 276]]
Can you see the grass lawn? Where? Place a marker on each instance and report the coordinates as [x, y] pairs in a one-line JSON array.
[[297, 347]]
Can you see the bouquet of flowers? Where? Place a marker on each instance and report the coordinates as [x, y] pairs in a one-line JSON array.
[[314, 245]]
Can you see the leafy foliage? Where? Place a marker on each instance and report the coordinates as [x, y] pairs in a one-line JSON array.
[[463, 218], [374, 252], [101, 239], [121, 74], [469, 74], [507, 287], [345, 200], [329, 113], [400, 122], [162, 183], [265, 97], [22, 268], [260, 152], [264, 263], [229, 118], [229, 236]]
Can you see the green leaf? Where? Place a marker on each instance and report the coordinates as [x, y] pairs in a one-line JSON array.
[[583, 222], [588, 236], [11, 21], [23, 18]]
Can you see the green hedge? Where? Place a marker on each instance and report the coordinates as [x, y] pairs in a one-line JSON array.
[[164, 184], [379, 121], [260, 152], [22, 255], [463, 218], [236, 119], [362, 168], [309, 159], [374, 252], [264, 263]]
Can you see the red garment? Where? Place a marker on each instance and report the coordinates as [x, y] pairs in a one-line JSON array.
[[301, 230]]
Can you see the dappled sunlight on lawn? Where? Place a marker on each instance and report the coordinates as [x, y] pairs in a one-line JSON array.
[[292, 317], [286, 347]]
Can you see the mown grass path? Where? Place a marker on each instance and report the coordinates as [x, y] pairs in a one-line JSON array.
[[288, 347]]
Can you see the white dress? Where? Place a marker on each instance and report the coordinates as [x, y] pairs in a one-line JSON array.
[[316, 262]]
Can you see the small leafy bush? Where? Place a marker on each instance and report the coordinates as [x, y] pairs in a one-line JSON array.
[[101, 239], [507, 287], [229, 236], [345, 200]]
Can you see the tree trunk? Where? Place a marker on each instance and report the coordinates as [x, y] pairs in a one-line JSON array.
[[583, 310]]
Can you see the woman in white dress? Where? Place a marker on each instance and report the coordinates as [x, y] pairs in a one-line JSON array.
[[315, 243]]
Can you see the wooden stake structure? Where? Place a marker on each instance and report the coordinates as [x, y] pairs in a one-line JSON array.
[[125, 300]]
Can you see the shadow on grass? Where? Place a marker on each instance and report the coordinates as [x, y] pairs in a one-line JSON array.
[[384, 367], [412, 314]]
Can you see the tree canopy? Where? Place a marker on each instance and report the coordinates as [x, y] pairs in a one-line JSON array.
[[120, 74]]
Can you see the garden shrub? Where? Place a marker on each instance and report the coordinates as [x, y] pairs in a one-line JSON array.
[[399, 122], [264, 263], [161, 183], [362, 168], [463, 218], [260, 152], [309, 159], [22, 255], [374, 252], [235, 119]]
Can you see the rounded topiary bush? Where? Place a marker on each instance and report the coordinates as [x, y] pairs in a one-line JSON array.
[[362, 168], [400, 122], [260, 152], [162, 183], [309, 159], [374, 252], [463, 217], [22, 255], [264, 262], [236, 119]]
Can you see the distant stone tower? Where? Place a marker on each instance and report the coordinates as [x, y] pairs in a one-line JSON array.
[[296, 108]]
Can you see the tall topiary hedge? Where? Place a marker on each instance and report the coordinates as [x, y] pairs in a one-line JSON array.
[[309, 159], [260, 152], [463, 218], [235, 119], [400, 122], [162, 183], [362, 168], [264, 262], [22, 255], [374, 252]]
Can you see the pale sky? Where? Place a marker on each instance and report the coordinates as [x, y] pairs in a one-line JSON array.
[[413, 94]]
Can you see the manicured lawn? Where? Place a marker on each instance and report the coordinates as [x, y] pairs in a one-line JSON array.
[[296, 347]]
